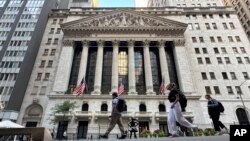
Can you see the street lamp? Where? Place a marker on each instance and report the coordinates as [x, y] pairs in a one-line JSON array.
[[244, 107]]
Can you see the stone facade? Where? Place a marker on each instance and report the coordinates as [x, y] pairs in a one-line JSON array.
[[174, 25]]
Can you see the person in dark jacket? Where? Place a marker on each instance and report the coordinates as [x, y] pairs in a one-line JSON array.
[[214, 113], [132, 127]]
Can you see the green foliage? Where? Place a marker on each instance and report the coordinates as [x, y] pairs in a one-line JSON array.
[[63, 108], [145, 134], [205, 132], [159, 133]]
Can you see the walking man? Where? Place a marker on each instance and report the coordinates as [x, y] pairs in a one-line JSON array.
[[115, 118], [214, 113]]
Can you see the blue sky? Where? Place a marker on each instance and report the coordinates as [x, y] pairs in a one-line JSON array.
[[116, 3]]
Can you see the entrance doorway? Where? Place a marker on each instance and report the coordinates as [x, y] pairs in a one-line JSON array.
[[242, 116], [62, 126], [143, 125], [164, 127], [82, 130]]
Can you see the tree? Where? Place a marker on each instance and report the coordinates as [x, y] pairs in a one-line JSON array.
[[64, 108]]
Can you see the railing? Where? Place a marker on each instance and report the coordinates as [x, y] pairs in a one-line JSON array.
[[83, 114]]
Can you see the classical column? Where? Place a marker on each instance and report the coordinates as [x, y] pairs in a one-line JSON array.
[[147, 68], [163, 62], [83, 63], [115, 66], [131, 67], [98, 70], [64, 67], [183, 66]]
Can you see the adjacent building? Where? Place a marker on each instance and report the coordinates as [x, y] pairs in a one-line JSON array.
[[203, 49], [242, 7]]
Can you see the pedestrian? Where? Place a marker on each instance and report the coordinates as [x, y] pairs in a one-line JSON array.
[[214, 113], [116, 118], [132, 127], [175, 114]]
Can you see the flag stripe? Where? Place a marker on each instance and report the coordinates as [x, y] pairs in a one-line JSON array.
[[80, 88], [120, 89], [162, 88]]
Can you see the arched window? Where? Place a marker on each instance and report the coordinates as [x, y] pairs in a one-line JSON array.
[[162, 108], [142, 108], [85, 107], [104, 107], [242, 116]]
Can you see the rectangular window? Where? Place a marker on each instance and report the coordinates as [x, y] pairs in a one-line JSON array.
[[230, 90], [199, 59], [219, 60], [53, 51], [239, 60], [227, 60], [197, 26], [238, 38], [247, 60], [216, 51], [238, 89], [49, 41], [232, 25], [216, 90], [230, 39], [224, 25], [243, 50], [42, 64], [224, 75], [214, 25], [207, 26], [194, 39], [233, 76], [34, 90], [219, 39], [54, 21], [201, 39], [46, 51], [46, 78], [212, 39], [55, 41], [197, 50], [204, 50], [50, 63], [52, 31], [58, 31], [190, 26], [235, 50], [223, 50], [208, 60], [245, 74], [60, 21], [43, 90], [212, 75], [208, 90], [204, 76], [39, 76]]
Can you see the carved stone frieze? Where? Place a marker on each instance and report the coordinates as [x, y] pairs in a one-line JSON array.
[[146, 43], [85, 43], [115, 43], [100, 43], [131, 43], [162, 43], [179, 42], [68, 43]]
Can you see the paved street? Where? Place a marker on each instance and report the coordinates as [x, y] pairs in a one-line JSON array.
[[202, 138]]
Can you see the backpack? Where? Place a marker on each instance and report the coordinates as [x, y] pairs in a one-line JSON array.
[[220, 107], [182, 100], [121, 105]]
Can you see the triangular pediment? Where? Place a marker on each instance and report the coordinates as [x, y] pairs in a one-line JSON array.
[[123, 19]]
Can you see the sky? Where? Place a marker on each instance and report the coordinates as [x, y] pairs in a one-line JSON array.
[[122, 3]]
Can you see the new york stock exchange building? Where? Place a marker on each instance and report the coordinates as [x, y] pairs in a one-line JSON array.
[[140, 48]]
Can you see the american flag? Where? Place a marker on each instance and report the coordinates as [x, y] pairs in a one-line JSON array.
[[120, 88], [162, 88], [80, 88]]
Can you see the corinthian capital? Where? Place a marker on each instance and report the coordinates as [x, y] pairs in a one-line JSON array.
[[131, 43], [115, 43], [100, 43], [146, 43], [85, 43], [162, 43], [179, 42]]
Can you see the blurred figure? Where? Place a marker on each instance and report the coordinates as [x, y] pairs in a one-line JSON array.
[[132, 127]]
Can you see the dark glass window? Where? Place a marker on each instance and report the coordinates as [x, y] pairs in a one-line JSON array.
[[139, 71], [155, 67], [85, 107], [242, 116], [104, 107], [162, 108], [107, 70], [90, 75], [123, 67], [171, 64], [75, 67], [142, 108]]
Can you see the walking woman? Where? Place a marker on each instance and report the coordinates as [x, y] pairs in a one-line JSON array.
[[175, 114]]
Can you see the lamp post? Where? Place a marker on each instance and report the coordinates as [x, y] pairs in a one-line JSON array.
[[244, 107]]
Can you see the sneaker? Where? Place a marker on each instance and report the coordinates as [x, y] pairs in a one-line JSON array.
[[225, 131], [104, 136], [174, 135], [122, 137], [218, 133]]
